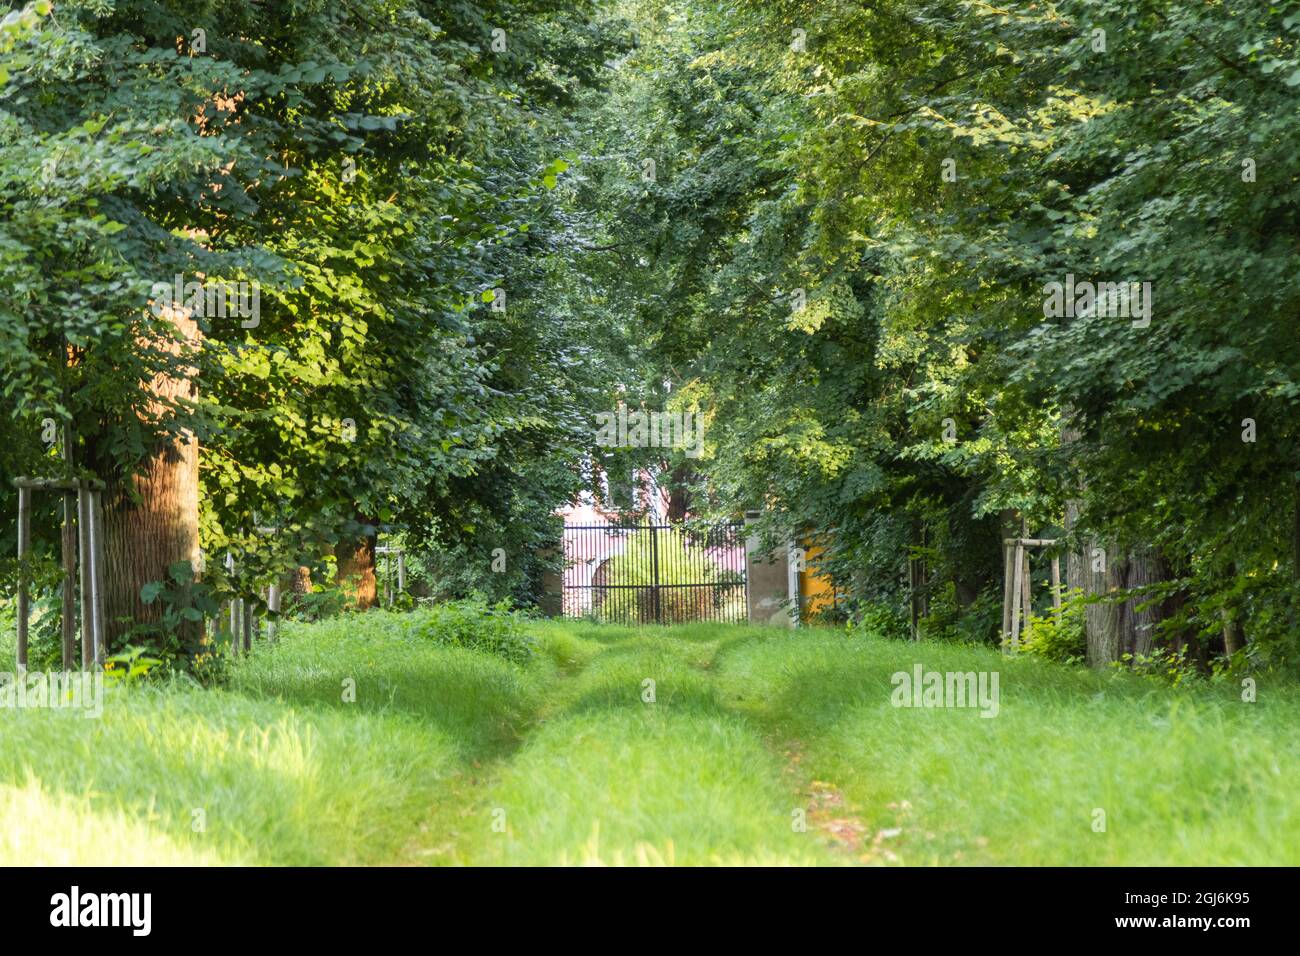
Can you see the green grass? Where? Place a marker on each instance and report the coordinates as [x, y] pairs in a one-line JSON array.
[[1187, 777], [453, 756]]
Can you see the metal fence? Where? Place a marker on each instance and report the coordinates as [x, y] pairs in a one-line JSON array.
[[655, 573]]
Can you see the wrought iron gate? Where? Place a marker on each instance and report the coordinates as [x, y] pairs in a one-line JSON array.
[[655, 573]]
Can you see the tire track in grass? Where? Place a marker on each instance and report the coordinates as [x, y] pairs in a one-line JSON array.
[[611, 774], [843, 827], [765, 671], [464, 805]]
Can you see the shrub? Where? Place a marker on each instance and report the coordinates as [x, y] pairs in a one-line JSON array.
[[1060, 635], [324, 600], [877, 618], [473, 623]]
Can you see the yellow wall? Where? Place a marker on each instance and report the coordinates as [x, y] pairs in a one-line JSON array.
[[815, 591]]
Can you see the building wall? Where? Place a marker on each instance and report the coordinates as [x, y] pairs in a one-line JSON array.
[[769, 584], [815, 591]]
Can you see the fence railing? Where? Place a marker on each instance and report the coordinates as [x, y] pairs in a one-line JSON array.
[[655, 573]]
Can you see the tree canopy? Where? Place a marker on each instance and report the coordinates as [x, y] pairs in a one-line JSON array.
[[931, 271]]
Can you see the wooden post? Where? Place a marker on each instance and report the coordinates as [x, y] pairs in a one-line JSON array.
[[233, 606], [248, 625], [1007, 593], [388, 577], [234, 625], [1017, 590], [1056, 583], [401, 571], [97, 567], [69, 542], [24, 544], [1027, 598], [273, 605], [87, 586]]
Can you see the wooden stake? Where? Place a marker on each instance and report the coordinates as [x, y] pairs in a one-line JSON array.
[[233, 607], [1027, 597], [24, 544], [273, 605], [1056, 583], [69, 543], [1006, 595], [1016, 592], [87, 586], [234, 625], [97, 578]]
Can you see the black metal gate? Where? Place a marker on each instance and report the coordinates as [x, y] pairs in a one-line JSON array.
[[655, 573]]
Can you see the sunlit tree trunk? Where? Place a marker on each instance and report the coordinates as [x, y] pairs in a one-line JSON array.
[[151, 517], [355, 573]]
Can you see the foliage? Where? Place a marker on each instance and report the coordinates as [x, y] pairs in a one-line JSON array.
[[369, 171], [831, 230], [870, 618], [845, 261], [473, 623], [1059, 634], [184, 602], [130, 666]]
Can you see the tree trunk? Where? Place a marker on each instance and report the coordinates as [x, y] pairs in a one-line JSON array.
[[679, 492], [984, 535], [1097, 573], [1136, 628], [299, 581], [151, 517], [1295, 536], [1101, 618], [1076, 562], [355, 558], [1233, 640], [1124, 628]]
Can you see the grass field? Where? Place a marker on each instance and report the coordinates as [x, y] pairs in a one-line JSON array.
[[454, 756]]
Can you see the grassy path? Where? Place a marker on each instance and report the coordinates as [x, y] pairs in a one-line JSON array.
[[691, 745]]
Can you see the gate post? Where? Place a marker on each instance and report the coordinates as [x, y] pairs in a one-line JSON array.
[[552, 598], [654, 560], [768, 582]]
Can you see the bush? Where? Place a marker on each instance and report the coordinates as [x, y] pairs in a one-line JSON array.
[[876, 618], [473, 623], [1060, 635], [323, 601]]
